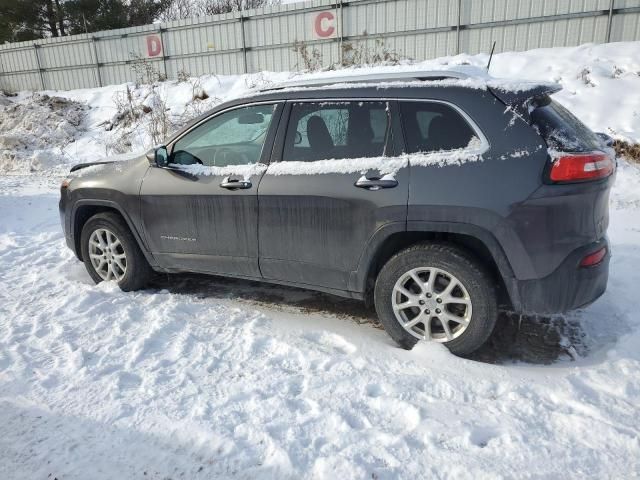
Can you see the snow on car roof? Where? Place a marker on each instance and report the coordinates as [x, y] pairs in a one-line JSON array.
[[458, 75], [372, 78]]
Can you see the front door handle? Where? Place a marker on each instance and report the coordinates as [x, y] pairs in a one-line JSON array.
[[235, 183], [376, 183]]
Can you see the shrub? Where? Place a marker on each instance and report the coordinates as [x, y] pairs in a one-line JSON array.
[[311, 57], [628, 150], [183, 76], [353, 55], [145, 70], [356, 55]]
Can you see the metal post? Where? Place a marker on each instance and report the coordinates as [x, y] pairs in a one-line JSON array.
[[458, 28], [244, 45], [95, 54], [164, 57], [1, 72], [341, 30], [609, 20], [35, 49]]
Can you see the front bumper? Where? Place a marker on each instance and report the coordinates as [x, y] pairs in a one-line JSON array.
[[64, 220], [569, 286]]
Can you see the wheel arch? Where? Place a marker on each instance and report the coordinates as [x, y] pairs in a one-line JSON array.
[[478, 242], [84, 209]]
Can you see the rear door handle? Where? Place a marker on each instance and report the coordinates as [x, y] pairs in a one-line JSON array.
[[376, 183], [235, 183]]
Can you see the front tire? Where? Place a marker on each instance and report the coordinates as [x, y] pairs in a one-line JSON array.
[[110, 252], [436, 292]]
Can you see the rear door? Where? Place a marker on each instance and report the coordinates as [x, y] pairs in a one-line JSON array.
[[201, 212], [333, 182]]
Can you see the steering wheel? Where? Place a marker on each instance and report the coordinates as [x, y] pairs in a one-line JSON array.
[[226, 156]]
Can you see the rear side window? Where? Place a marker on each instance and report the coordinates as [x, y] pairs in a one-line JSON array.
[[335, 130], [561, 129], [430, 127]]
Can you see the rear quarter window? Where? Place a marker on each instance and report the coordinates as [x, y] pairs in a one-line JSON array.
[[433, 127], [561, 129]]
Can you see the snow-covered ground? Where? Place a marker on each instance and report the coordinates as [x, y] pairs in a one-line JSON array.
[[202, 377]]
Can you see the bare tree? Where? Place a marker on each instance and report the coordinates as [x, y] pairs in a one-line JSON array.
[[215, 7], [179, 9]]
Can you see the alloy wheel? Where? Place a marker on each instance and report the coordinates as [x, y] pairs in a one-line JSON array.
[[431, 304], [107, 255]]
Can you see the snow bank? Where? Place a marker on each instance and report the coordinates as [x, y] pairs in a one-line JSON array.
[[600, 85], [34, 134]]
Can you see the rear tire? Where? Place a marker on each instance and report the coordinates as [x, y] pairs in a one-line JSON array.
[[110, 252], [413, 303]]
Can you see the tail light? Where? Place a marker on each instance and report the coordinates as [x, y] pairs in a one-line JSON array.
[[593, 258], [576, 167]]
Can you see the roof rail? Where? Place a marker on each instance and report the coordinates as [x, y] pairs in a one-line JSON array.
[[372, 78]]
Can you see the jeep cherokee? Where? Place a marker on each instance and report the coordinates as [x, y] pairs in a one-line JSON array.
[[438, 197]]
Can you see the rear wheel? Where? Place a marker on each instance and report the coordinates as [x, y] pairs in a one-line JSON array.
[[436, 292], [110, 252]]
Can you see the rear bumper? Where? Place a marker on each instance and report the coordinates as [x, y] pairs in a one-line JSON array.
[[568, 287]]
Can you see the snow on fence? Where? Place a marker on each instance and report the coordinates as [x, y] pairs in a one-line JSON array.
[[265, 39]]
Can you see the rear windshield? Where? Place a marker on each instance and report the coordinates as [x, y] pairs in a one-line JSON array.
[[561, 129]]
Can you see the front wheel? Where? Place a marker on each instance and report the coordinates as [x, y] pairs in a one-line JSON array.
[[110, 252], [436, 292]]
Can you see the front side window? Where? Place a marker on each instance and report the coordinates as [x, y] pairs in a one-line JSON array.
[[235, 137], [431, 127], [336, 130]]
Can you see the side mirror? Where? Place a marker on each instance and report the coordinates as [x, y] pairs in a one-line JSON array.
[[158, 156], [298, 139]]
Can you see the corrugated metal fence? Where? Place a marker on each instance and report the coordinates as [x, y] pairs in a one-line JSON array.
[[264, 39]]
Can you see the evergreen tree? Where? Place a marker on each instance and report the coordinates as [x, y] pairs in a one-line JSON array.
[[85, 16], [32, 19], [144, 12]]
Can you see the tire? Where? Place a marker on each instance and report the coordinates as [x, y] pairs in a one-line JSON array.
[[106, 227], [472, 301]]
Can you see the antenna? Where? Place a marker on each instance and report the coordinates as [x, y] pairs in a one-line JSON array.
[[493, 47]]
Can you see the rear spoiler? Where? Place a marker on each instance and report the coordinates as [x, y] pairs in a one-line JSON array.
[[520, 93], [519, 96], [80, 166]]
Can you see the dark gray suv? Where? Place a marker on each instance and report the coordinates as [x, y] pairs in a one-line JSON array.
[[436, 197]]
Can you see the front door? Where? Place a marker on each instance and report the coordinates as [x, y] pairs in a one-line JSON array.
[[201, 212], [336, 182]]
